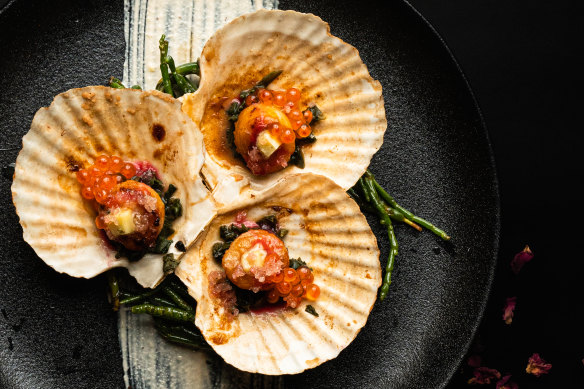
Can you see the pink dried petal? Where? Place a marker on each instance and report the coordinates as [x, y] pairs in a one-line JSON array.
[[504, 383], [537, 366], [521, 259], [508, 310], [240, 217], [474, 360], [250, 224], [484, 375]]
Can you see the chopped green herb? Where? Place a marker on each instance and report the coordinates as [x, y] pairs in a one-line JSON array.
[[310, 309], [282, 232], [169, 192], [297, 157], [230, 232], [247, 299], [170, 263], [237, 106], [296, 263], [316, 114], [219, 250]]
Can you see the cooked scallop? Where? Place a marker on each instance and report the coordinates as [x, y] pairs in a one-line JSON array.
[[80, 125], [327, 231]]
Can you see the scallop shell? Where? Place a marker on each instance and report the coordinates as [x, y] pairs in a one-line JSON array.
[[79, 125], [328, 231], [329, 73]]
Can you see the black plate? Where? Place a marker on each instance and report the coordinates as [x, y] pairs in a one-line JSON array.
[[59, 332]]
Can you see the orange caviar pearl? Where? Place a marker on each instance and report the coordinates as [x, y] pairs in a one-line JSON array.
[[296, 124], [307, 280], [251, 99], [93, 171], [277, 278], [101, 195], [295, 115], [297, 291], [107, 183], [273, 296], [287, 136], [96, 181], [87, 192], [303, 272], [118, 178], [100, 223], [128, 170], [102, 162], [265, 96], [83, 176], [291, 276], [304, 131], [275, 129], [284, 288], [116, 164], [292, 301], [312, 292], [279, 98], [293, 95], [307, 116]]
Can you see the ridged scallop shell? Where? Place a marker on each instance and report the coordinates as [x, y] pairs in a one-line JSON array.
[[329, 73], [79, 125], [329, 232]]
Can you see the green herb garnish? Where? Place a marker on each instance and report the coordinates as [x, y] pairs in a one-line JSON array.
[[296, 263], [169, 263], [310, 309]]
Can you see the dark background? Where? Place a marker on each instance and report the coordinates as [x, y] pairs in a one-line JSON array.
[[523, 62]]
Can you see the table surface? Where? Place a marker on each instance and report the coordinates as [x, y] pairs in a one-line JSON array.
[[523, 61]]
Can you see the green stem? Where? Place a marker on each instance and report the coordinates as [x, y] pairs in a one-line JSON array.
[[393, 245], [355, 196], [184, 70], [114, 289], [159, 300], [166, 84], [183, 84], [131, 299], [364, 190], [408, 215], [165, 312], [116, 83], [177, 299]]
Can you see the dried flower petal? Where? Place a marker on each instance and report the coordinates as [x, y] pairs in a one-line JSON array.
[[504, 383], [521, 259], [484, 375], [508, 310], [537, 366]]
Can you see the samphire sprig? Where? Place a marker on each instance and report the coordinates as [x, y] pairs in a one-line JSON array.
[[372, 198], [170, 304], [174, 79]]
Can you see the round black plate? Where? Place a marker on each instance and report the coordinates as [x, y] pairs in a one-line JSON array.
[[59, 332]]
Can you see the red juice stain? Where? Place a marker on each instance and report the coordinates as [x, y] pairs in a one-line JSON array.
[[268, 308]]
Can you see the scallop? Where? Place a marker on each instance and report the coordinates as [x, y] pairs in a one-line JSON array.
[[328, 232], [327, 71], [71, 133]]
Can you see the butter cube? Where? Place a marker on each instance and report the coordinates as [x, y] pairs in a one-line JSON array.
[[267, 143]]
